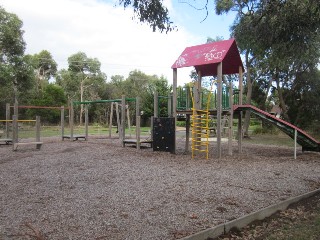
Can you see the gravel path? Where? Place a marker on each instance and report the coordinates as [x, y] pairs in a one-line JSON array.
[[98, 190]]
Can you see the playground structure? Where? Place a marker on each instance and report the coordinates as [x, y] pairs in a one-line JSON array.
[[121, 120], [218, 59], [15, 112], [190, 104], [117, 103], [15, 129]]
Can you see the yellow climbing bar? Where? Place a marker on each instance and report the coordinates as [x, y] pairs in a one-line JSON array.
[[200, 129]]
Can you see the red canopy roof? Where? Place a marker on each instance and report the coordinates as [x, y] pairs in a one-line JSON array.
[[206, 57]]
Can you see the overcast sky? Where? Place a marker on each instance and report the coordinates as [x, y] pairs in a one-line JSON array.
[[108, 33]]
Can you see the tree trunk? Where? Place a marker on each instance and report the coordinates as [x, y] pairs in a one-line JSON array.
[[81, 105], [281, 101], [267, 92], [248, 97]]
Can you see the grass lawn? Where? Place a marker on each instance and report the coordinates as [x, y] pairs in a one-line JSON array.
[[28, 131]]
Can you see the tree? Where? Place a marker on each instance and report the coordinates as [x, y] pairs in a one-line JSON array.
[[153, 13], [161, 86], [53, 96], [278, 38], [303, 99], [15, 69], [45, 68], [83, 79]]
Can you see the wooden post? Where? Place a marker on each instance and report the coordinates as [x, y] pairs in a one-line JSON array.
[[188, 97], [219, 107], [110, 119], [169, 105], [152, 120], [7, 120], [187, 133], [14, 129], [62, 122], [240, 113], [118, 119], [38, 127], [196, 92], [230, 120], [240, 85], [240, 132], [71, 120], [15, 109], [295, 143], [123, 120], [174, 103], [138, 120], [156, 104], [86, 121], [128, 119], [197, 105]]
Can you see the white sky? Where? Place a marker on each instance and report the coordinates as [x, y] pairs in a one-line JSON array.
[[108, 33]]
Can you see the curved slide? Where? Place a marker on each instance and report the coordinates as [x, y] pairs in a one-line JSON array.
[[307, 142]]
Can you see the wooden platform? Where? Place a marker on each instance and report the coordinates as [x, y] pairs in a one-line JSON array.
[[134, 142], [75, 137], [38, 145], [7, 141]]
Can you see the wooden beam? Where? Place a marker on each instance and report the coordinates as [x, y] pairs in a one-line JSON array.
[[62, 122], [230, 120], [138, 122], [38, 128], [240, 85], [169, 105], [118, 120], [156, 104], [71, 119], [86, 121], [110, 119], [7, 118], [123, 119], [240, 135], [187, 132], [219, 107], [14, 129], [174, 104]]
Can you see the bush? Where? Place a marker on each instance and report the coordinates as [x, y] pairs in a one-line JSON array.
[[266, 129]]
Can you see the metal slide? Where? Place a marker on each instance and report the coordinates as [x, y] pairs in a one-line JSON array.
[[307, 142]]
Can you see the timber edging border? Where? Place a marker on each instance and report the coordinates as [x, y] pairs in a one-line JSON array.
[[243, 221]]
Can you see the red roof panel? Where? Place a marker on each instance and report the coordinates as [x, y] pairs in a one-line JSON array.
[[206, 57]]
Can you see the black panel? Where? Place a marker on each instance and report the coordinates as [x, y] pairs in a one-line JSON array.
[[164, 134]]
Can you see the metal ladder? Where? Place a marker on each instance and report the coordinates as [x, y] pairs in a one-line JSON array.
[[200, 129]]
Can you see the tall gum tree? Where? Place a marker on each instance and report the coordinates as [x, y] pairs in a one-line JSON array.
[[282, 36], [82, 80], [15, 69]]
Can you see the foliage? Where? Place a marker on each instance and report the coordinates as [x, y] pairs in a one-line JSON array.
[[139, 84], [15, 68], [53, 96], [83, 73], [11, 37], [154, 13], [45, 68], [303, 99], [280, 41]]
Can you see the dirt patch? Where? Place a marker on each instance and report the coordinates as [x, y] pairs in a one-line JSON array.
[[98, 190]]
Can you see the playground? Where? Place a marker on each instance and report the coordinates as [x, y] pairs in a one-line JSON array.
[[98, 190], [187, 179]]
